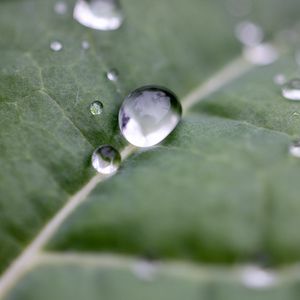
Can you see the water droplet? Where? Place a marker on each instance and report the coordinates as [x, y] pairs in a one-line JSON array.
[[279, 79], [85, 45], [295, 149], [263, 54], [99, 14], [106, 159], [56, 46], [60, 8], [96, 108], [148, 115], [291, 90], [145, 270], [255, 277], [249, 33], [112, 75]]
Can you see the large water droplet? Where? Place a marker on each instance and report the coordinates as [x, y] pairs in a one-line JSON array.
[[106, 159], [295, 149], [96, 108], [99, 14], [148, 115], [291, 90], [112, 75], [56, 46], [262, 54], [249, 33]]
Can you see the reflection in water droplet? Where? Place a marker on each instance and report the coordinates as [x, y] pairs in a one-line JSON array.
[[60, 8], [263, 54], [56, 46], [279, 79], [249, 33], [295, 149], [106, 159], [148, 115], [85, 45], [112, 75], [291, 90], [144, 270], [257, 278], [99, 14], [96, 108]]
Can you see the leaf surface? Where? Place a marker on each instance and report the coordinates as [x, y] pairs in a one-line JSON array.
[[221, 189]]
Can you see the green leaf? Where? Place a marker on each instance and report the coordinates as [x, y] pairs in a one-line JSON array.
[[113, 277], [221, 189]]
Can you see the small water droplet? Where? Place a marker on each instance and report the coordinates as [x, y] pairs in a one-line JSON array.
[[106, 159], [249, 33], [56, 46], [291, 90], [263, 54], [96, 108], [257, 278], [99, 14], [112, 75], [295, 149], [279, 79], [85, 45], [60, 8], [145, 270], [148, 115]]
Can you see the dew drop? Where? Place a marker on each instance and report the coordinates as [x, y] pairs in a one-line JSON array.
[[295, 149], [60, 8], [258, 278], [291, 90], [99, 14], [56, 46], [85, 45], [249, 33], [279, 79], [106, 159], [148, 115], [96, 108], [112, 75], [262, 54]]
